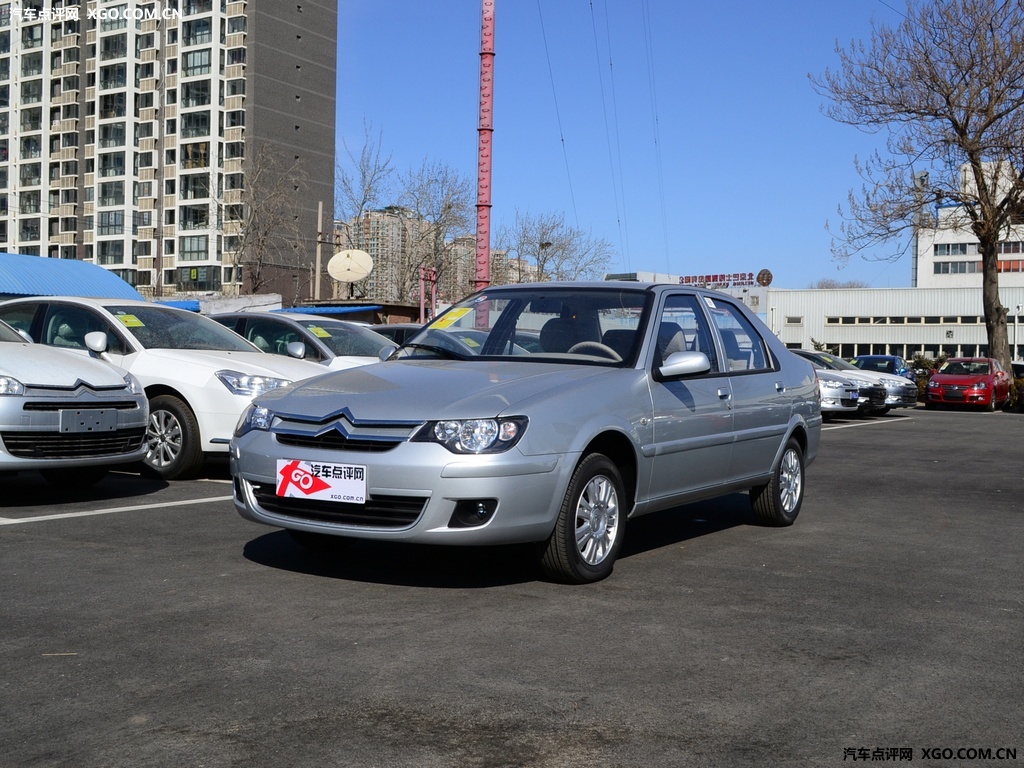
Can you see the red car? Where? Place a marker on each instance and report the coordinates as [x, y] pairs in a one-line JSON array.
[[969, 381]]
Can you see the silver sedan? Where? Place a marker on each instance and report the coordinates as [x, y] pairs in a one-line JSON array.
[[639, 397], [68, 416]]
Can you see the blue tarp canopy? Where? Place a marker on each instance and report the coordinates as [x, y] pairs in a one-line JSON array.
[[26, 275]]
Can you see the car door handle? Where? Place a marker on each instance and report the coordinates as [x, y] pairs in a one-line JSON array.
[[724, 394], [780, 387]]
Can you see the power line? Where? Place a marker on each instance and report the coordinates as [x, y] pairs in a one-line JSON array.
[[618, 187], [558, 116]]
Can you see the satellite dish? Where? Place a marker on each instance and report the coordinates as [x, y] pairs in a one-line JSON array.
[[350, 266]]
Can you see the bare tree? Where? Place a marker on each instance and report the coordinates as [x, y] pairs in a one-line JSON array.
[[270, 236], [832, 283], [363, 183], [442, 200], [543, 248], [945, 86]]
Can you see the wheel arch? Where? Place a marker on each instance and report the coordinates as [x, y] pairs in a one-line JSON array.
[[620, 450], [156, 390]]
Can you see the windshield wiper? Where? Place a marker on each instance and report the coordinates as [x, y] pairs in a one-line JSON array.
[[442, 351]]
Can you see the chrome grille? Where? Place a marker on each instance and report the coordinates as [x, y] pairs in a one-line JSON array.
[[335, 441], [56, 445], [378, 511]]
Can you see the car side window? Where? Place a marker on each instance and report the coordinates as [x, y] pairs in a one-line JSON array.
[[19, 316], [683, 327], [744, 348], [65, 325]]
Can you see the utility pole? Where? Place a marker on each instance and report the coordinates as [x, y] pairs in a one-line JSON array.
[[486, 129]]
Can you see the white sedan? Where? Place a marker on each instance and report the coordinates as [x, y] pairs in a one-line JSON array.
[[198, 375]]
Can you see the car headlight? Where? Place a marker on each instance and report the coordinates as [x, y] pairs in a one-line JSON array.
[[474, 435], [833, 384], [254, 417], [933, 384], [249, 385], [980, 385], [11, 386], [133, 384]]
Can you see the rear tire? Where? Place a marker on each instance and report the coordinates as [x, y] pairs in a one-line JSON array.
[[778, 502], [172, 439], [589, 530]]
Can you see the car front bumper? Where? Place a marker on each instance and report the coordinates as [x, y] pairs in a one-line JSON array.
[[41, 431], [415, 492]]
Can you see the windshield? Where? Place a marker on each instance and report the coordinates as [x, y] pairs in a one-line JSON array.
[[965, 368], [158, 327], [836, 363], [590, 325], [878, 364], [346, 338]]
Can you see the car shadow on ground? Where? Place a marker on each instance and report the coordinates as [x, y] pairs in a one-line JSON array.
[[29, 489], [447, 567]]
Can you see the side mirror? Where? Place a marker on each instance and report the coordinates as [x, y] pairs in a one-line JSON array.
[[684, 364], [96, 342], [386, 352], [296, 349], [25, 335]]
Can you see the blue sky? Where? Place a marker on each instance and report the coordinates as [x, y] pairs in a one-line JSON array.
[[685, 134]]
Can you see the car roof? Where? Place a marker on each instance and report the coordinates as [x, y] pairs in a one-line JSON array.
[[281, 316], [95, 302]]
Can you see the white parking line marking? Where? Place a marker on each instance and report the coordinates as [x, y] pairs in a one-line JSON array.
[[868, 424], [111, 511]]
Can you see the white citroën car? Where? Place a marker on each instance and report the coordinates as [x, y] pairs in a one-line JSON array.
[[198, 375], [640, 397]]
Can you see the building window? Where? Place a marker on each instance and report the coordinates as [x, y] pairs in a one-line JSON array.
[[110, 223], [196, 63], [195, 124], [32, 92], [111, 193], [112, 105], [951, 249], [112, 164], [195, 93], [195, 185], [195, 155], [114, 47], [197, 32], [194, 248], [110, 252], [111, 135], [114, 76], [116, 18], [194, 217]]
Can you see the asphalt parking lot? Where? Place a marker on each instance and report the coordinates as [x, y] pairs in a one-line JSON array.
[[146, 624]]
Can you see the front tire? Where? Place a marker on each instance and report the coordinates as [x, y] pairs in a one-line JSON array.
[[589, 530], [172, 439], [778, 502]]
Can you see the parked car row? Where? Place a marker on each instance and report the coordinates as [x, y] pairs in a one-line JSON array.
[[879, 392]]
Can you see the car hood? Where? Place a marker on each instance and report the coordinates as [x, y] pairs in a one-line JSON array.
[[887, 380], [250, 363], [399, 390], [38, 365]]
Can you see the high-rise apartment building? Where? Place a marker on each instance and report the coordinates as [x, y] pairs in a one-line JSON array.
[[139, 136]]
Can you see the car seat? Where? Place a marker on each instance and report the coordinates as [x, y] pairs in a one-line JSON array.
[[558, 334]]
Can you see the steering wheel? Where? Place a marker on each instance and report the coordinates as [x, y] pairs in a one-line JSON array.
[[595, 346]]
